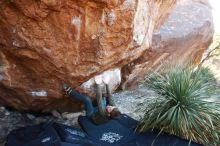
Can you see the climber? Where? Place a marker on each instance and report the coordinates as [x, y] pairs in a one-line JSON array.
[[106, 107]]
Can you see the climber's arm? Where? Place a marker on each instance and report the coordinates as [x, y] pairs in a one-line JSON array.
[[101, 106], [110, 101]]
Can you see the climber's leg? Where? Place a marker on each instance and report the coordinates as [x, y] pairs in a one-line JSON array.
[[85, 99]]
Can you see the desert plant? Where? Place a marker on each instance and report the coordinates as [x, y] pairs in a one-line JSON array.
[[182, 107]]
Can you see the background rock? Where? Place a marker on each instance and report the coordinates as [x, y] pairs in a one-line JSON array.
[[183, 38], [45, 43]]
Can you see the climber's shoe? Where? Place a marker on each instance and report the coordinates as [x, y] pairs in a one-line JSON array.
[[67, 88]]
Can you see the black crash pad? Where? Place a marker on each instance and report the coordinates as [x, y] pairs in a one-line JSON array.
[[114, 133], [127, 121], [70, 134], [111, 133], [121, 132], [155, 138], [52, 134], [152, 136], [38, 135]]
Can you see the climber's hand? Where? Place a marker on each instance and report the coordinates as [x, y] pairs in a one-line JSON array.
[[98, 79], [106, 78]]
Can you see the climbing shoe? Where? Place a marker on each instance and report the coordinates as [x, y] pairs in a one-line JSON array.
[[67, 88]]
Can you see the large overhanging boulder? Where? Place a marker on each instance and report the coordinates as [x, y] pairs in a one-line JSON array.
[[44, 43]]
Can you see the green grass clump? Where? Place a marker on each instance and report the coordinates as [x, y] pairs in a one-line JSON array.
[[183, 107]]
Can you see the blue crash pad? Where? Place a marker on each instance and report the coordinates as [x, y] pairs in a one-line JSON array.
[[128, 122], [152, 136], [72, 135], [114, 133], [111, 133], [39, 135], [163, 139], [121, 133], [52, 134]]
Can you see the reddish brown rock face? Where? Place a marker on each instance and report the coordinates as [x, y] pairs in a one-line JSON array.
[[44, 43]]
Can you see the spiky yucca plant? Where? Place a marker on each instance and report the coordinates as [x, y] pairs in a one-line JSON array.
[[182, 107]]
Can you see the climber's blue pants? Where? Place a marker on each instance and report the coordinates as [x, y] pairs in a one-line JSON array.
[[90, 110]]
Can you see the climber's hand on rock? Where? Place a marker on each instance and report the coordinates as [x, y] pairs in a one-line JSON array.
[[98, 79], [106, 78]]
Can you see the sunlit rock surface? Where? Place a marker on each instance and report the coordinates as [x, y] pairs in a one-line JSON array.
[[183, 38], [113, 75], [44, 43]]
